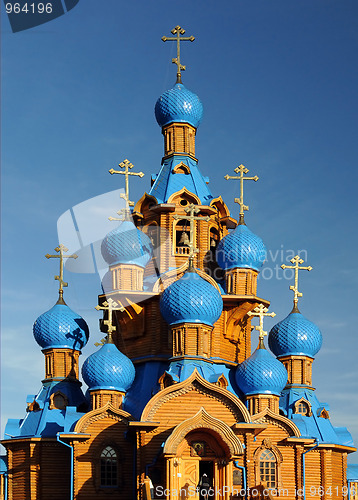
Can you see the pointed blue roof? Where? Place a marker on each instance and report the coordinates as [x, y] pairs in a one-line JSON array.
[[167, 182], [313, 426], [46, 421]]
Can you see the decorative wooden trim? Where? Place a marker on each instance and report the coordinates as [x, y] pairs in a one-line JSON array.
[[107, 411], [181, 168], [203, 420], [221, 206], [184, 191], [267, 415], [188, 385], [52, 405], [307, 403], [145, 198]]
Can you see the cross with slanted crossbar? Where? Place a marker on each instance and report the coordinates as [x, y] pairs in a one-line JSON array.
[[296, 261], [191, 210], [260, 311], [176, 60], [110, 305], [242, 170], [126, 164], [61, 249]]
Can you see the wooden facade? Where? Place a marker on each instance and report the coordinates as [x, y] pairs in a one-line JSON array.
[[189, 427]]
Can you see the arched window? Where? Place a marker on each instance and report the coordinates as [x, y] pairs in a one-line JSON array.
[[268, 468], [109, 467]]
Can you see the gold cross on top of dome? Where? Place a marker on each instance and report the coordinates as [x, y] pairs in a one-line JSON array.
[[61, 249], [176, 60], [261, 311], [296, 261], [241, 169], [126, 164], [110, 305], [191, 210]]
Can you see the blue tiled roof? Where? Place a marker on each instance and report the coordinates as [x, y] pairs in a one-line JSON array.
[[3, 464], [167, 182], [295, 335], [109, 369], [241, 249], [261, 373], [191, 299], [313, 426], [178, 104], [45, 422], [61, 327], [127, 245], [352, 472]]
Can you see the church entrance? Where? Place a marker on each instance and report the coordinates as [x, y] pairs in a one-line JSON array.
[[202, 465]]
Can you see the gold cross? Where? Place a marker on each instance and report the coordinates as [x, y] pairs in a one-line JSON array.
[[110, 306], [61, 249], [178, 31], [126, 164], [296, 261], [260, 311], [242, 170], [191, 210]]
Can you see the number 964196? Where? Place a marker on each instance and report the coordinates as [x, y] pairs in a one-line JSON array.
[[31, 8]]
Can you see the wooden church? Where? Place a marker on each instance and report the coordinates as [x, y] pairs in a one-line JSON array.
[[177, 406]]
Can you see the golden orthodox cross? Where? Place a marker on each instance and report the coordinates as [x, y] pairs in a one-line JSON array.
[[241, 169], [126, 164], [61, 249], [191, 210], [110, 305], [296, 261], [261, 311], [178, 31]]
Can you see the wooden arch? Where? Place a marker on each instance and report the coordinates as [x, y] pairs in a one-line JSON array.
[[267, 415], [184, 193], [203, 421], [195, 379], [107, 411]]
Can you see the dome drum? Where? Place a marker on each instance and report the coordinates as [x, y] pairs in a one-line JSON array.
[[123, 277]]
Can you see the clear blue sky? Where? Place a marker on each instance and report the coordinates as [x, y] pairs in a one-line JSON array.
[[278, 80]]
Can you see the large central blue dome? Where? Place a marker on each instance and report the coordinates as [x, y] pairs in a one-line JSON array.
[[191, 299], [178, 105]]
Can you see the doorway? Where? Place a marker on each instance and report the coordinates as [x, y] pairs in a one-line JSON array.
[[206, 467]]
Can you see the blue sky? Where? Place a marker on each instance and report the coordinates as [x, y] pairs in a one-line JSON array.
[[278, 81]]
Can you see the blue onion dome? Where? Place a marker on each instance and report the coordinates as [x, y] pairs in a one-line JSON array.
[[295, 335], [108, 369], [127, 245], [60, 327], [241, 249], [191, 299], [261, 373], [178, 105]]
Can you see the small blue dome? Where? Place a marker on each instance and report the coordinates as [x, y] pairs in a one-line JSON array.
[[261, 373], [241, 248], [191, 299], [178, 105], [61, 327], [108, 369], [127, 245], [295, 335]]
